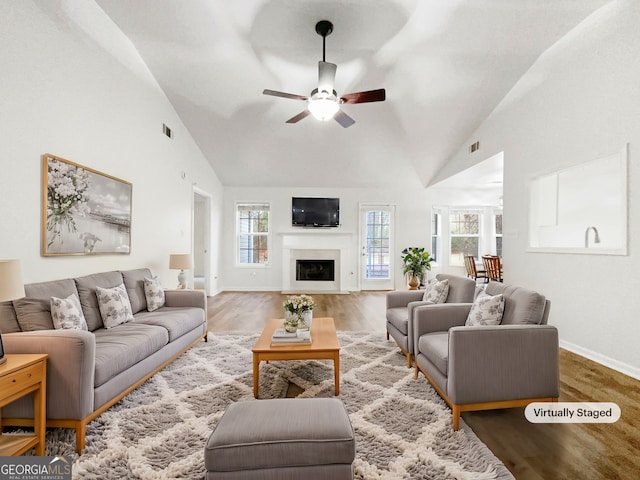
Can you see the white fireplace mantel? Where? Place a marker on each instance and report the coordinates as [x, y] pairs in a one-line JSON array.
[[309, 245]]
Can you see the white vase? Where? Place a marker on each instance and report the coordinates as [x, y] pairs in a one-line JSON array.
[[291, 321], [307, 318]]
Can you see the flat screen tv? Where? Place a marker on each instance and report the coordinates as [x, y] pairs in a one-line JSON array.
[[315, 212]]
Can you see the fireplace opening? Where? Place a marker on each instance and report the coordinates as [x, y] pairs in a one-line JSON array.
[[315, 270]]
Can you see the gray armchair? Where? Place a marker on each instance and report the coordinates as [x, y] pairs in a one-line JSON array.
[[489, 367], [403, 305]]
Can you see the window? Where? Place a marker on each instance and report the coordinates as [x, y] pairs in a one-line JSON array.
[[464, 227], [498, 232], [253, 233], [436, 235]]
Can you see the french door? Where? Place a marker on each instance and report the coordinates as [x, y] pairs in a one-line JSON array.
[[376, 247]]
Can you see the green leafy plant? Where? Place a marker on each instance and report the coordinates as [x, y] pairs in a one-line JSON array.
[[416, 261]]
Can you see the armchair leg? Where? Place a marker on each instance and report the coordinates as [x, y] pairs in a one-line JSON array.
[[387, 334], [408, 359], [416, 371]]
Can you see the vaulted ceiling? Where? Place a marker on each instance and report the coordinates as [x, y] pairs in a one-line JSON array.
[[445, 66]]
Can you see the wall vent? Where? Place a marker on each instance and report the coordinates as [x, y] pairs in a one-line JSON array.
[[474, 146], [167, 131]]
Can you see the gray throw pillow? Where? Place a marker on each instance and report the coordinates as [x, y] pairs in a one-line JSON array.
[[436, 292], [486, 310], [66, 313], [114, 305], [154, 293]]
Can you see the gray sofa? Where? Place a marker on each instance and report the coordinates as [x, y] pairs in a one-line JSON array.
[[89, 371], [402, 304], [489, 367]]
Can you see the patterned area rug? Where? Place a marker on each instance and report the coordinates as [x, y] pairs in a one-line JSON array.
[[403, 428]]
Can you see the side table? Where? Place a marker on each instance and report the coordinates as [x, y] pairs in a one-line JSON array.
[[21, 375]]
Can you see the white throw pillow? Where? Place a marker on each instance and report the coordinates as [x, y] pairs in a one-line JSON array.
[[486, 310], [114, 304], [436, 292], [154, 293], [66, 313]]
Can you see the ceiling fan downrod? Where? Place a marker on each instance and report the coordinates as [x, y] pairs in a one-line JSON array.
[[324, 29]]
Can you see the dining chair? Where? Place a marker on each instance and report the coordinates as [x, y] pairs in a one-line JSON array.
[[493, 267], [472, 271]]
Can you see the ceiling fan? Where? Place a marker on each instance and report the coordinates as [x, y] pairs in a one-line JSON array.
[[323, 103]]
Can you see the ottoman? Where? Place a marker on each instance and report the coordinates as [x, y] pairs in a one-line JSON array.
[[285, 438]]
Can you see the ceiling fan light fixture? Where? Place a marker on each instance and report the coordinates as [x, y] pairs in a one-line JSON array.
[[323, 103], [323, 108]]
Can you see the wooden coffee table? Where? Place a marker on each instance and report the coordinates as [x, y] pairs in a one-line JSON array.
[[324, 346]]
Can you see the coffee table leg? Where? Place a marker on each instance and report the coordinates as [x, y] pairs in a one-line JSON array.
[[256, 370], [336, 368]]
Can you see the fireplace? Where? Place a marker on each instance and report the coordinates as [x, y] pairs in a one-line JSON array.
[[315, 270], [324, 257]]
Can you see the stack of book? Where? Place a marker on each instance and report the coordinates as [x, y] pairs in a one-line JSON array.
[[280, 335]]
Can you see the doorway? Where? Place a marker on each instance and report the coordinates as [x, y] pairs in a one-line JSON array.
[[201, 241], [376, 245]]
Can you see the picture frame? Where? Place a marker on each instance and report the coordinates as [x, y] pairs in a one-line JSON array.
[[84, 211]]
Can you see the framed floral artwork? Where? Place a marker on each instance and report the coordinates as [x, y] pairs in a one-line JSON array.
[[84, 212]]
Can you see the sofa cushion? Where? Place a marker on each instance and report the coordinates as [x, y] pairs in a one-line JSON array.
[[398, 317], [123, 346], [176, 320], [486, 310], [8, 320], [134, 283], [34, 310], [521, 305], [66, 313], [435, 346], [87, 293], [114, 305], [436, 292], [154, 293]]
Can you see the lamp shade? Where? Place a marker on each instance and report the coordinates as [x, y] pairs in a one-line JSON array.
[[11, 286], [180, 261]]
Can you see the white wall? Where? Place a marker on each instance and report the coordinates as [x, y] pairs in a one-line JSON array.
[[74, 87], [580, 101], [413, 210]]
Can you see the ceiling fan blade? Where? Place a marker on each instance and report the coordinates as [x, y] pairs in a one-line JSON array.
[[343, 119], [299, 116], [326, 76], [292, 96], [364, 97]]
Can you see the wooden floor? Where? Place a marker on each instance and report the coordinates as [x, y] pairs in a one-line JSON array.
[[530, 451]]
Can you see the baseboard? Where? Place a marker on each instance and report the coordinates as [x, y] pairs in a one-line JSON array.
[[319, 292], [602, 359], [249, 289]]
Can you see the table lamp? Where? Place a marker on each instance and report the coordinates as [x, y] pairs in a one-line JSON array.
[[11, 288], [182, 262]]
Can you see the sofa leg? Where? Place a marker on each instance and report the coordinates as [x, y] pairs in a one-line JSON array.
[[416, 371], [81, 429], [387, 334], [408, 359], [456, 417]]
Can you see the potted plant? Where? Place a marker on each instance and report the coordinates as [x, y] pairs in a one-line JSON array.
[[416, 261]]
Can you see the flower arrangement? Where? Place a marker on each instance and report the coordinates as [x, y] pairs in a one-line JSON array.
[[66, 196], [297, 312], [299, 304]]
